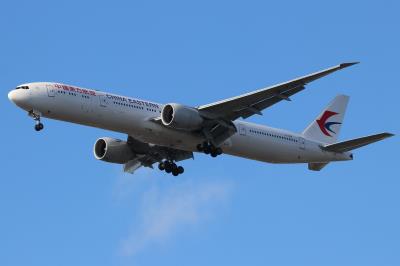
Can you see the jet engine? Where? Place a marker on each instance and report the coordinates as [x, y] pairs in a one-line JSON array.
[[112, 150], [178, 116]]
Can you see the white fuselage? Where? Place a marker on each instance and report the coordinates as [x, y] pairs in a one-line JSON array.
[[134, 117]]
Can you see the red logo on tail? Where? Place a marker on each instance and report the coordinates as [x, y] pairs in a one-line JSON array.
[[326, 126]]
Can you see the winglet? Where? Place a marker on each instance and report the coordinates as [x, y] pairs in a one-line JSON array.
[[344, 65]]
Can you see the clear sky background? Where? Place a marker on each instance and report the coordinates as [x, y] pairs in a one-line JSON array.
[[60, 206]]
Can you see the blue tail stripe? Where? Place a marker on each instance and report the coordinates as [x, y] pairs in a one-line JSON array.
[[329, 124]]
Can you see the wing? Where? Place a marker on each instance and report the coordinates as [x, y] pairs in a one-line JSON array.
[[254, 102], [147, 155]]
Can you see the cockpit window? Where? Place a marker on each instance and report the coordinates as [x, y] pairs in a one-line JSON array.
[[22, 87]]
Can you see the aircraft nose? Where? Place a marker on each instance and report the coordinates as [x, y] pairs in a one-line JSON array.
[[12, 96], [19, 97]]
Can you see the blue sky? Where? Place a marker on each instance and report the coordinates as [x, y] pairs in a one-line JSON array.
[[59, 206]]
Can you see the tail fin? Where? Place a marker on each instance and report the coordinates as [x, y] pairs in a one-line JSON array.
[[326, 127]]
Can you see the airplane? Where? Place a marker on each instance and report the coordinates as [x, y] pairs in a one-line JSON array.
[[169, 133]]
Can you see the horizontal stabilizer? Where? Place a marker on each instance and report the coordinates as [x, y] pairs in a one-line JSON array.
[[352, 144]]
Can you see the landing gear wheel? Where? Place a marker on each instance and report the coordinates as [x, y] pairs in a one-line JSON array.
[[175, 172], [207, 150], [181, 169], [36, 116], [39, 126], [168, 167]]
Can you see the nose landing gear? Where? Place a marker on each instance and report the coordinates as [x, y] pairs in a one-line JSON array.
[[38, 125], [171, 167], [209, 148]]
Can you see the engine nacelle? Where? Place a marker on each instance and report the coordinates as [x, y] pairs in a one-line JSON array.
[[178, 116], [112, 150]]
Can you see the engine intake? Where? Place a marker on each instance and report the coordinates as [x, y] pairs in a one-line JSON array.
[[178, 116], [112, 150]]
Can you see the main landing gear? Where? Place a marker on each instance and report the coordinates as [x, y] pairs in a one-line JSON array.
[[209, 148], [171, 167], [38, 125]]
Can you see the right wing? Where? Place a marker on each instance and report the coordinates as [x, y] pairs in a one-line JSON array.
[[254, 102]]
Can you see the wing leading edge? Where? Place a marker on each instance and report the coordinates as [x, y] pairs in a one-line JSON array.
[[254, 102]]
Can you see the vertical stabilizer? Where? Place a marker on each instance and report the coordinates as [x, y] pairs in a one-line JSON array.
[[326, 127]]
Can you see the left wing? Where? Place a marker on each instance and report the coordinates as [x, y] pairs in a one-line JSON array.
[[254, 102], [147, 155]]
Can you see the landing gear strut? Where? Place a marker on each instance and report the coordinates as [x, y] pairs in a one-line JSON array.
[[38, 125], [170, 167], [209, 148]]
